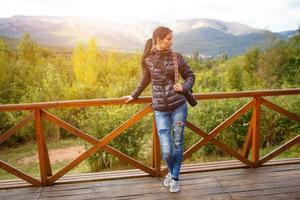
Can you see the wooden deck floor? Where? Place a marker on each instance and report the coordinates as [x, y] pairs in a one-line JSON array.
[[268, 182]]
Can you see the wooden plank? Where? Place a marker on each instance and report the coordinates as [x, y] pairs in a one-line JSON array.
[[257, 184], [29, 196], [265, 192], [193, 186], [192, 170], [281, 196], [264, 176], [270, 180], [135, 190], [185, 169], [15, 128], [219, 168], [8, 194], [155, 190]]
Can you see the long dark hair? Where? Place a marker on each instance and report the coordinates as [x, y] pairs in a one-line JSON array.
[[160, 32]]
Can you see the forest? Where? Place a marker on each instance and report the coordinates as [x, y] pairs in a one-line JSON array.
[[34, 73]]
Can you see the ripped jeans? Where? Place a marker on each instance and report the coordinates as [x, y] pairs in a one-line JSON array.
[[172, 144]]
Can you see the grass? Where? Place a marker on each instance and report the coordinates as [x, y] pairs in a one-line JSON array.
[[12, 156], [293, 152]]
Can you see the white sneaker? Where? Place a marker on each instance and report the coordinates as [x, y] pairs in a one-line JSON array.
[[167, 180], [174, 186]]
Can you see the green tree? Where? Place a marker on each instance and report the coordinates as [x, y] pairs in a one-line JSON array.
[[251, 59], [234, 77], [28, 49], [4, 52], [85, 63]]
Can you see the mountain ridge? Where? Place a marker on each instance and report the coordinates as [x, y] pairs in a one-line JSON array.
[[207, 36]]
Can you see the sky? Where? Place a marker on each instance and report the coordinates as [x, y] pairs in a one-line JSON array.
[[273, 15]]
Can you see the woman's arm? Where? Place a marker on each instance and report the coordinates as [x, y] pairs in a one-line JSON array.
[[186, 73], [146, 79]]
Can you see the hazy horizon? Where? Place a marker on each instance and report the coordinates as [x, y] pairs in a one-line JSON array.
[[273, 15]]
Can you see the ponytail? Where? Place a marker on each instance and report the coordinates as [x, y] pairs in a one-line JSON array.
[[148, 47], [160, 32]]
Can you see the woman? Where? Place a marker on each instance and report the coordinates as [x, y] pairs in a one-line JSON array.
[[168, 99]]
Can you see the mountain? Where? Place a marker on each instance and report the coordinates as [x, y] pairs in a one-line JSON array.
[[288, 34], [11, 42], [208, 36], [215, 37]]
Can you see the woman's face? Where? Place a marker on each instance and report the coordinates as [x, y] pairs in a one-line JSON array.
[[165, 43]]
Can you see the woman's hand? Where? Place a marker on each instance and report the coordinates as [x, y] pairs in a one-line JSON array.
[[178, 87], [128, 97]]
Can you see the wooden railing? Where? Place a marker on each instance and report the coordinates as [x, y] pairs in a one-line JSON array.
[[37, 112]]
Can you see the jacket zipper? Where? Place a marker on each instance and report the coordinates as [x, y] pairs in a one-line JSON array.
[[165, 96]]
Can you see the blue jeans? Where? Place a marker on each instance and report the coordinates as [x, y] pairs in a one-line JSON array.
[[172, 144]]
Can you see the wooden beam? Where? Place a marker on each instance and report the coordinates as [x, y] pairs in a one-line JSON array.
[[248, 141], [40, 140], [77, 132], [156, 148], [143, 100], [280, 149], [10, 169], [16, 128], [256, 132], [218, 129], [101, 143], [286, 113], [219, 144]]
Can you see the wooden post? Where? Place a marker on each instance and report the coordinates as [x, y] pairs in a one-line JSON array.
[[45, 167], [153, 146], [256, 132], [156, 158]]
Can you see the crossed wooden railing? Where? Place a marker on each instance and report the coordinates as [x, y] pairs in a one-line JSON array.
[[38, 112]]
